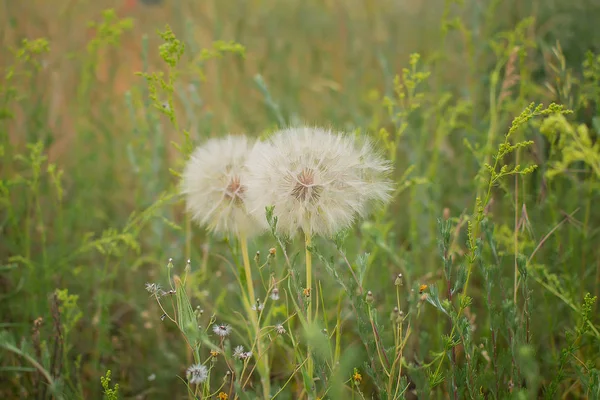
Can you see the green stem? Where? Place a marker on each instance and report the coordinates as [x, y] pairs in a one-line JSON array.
[[263, 361], [307, 242]]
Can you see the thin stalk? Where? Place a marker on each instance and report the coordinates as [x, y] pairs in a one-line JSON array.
[[263, 362], [307, 242], [516, 234]]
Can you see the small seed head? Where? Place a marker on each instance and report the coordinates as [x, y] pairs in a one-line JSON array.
[[275, 294]]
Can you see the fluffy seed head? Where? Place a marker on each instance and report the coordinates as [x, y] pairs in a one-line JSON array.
[[214, 185], [222, 330], [196, 374], [318, 180]]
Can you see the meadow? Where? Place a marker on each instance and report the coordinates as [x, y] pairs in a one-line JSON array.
[[478, 279]]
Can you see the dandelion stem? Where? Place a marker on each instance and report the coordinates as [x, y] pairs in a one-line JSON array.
[[263, 364], [307, 242]]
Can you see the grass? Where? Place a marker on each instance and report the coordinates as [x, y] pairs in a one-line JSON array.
[[489, 111]]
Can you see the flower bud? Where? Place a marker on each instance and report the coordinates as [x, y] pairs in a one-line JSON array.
[[399, 281]]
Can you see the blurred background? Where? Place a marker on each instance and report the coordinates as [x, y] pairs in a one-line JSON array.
[[327, 62]]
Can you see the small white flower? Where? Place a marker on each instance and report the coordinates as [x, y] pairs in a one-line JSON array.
[[237, 351], [214, 185], [275, 294], [196, 374], [280, 329], [258, 306], [317, 180], [240, 353], [222, 330]]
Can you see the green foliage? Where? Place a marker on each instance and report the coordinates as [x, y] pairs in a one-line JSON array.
[[480, 279], [109, 393], [573, 145]]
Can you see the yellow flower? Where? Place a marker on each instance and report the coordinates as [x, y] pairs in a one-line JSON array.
[[357, 377], [422, 288], [306, 292], [214, 353], [223, 396]]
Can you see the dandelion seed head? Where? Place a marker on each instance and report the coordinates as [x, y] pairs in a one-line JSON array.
[[197, 374], [222, 330], [214, 185], [318, 180]]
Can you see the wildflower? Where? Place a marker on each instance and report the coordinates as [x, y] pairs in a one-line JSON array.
[[196, 374], [306, 292], [240, 353], [316, 180], [223, 396], [423, 288], [214, 185], [272, 251], [214, 353], [222, 330], [237, 351], [275, 294], [280, 329], [369, 298], [356, 377]]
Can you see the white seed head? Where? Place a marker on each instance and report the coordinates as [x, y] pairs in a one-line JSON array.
[[222, 330], [214, 184], [318, 180], [196, 374], [280, 329], [240, 353]]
